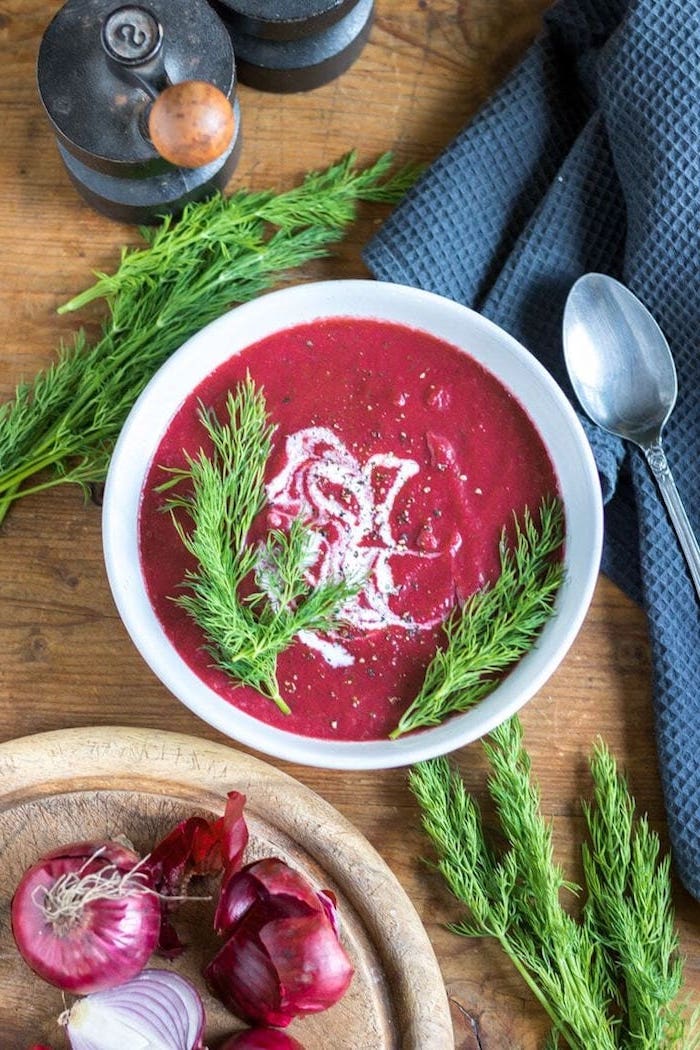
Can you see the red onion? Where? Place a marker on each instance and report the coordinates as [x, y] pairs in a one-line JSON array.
[[261, 1039], [157, 1010], [195, 847], [84, 917], [282, 956], [200, 847], [269, 879]]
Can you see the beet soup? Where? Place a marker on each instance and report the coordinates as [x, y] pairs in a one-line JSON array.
[[407, 458]]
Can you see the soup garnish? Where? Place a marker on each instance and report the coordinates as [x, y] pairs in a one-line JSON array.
[[250, 599], [497, 625]]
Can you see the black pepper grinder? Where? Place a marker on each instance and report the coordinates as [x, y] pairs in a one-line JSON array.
[[142, 99], [295, 45]]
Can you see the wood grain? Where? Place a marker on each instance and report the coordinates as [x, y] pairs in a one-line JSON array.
[[65, 660]]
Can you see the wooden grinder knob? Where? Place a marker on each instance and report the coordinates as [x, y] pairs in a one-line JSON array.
[[191, 123]]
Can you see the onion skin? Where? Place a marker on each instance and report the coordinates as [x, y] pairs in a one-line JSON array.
[[261, 1039], [195, 847], [200, 847], [106, 942], [270, 879], [282, 957]]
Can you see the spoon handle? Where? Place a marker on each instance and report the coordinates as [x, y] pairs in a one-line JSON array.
[[656, 458]]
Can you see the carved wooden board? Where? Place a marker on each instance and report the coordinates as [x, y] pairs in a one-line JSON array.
[[76, 784]]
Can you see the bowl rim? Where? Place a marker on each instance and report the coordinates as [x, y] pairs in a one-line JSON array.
[[553, 415]]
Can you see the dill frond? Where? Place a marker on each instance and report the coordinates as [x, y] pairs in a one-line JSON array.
[[222, 251], [609, 979], [629, 908], [497, 625], [225, 491]]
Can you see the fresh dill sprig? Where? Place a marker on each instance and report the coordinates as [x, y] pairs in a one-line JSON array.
[[225, 491], [629, 909], [234, 230], [497, 625], [608, 979], [62, 425]]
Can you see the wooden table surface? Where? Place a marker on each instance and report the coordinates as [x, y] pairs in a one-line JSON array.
[[66, 661]]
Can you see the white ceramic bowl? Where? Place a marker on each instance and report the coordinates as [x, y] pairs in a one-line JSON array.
[[517, 369]]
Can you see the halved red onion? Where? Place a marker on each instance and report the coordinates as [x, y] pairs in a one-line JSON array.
[[157, 1010], [85, 917], [262, 1039]]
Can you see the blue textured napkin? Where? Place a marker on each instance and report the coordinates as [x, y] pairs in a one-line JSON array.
[[588, 159]]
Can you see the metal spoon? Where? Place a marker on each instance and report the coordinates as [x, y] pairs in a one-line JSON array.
[[623, 374]]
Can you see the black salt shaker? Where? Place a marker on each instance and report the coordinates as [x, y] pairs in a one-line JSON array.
[[295, 45], [142, 100]]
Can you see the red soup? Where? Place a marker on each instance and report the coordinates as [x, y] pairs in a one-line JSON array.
[[404, 454]]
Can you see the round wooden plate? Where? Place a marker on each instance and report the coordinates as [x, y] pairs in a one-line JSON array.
[[88, 783]]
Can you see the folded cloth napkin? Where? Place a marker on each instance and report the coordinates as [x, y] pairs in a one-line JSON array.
[[588, 158]]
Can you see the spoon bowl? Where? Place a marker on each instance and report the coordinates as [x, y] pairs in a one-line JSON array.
[[623, 374]]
